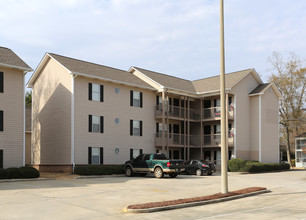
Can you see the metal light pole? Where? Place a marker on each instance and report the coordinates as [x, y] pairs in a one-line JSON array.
[[224, 183]]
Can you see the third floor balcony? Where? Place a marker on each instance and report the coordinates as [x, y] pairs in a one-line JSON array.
[[175, 112]]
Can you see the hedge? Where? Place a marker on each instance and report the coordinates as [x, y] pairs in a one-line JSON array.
[[99, 169], [240, 165], [19, 173]]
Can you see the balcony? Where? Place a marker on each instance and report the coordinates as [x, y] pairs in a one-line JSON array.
[[215, 140], [215, 113], [210, 140], [176, 112]]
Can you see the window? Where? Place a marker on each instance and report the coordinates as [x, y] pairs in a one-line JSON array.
[[95, 92], [95, 124], [159, 156], [1, 158], [135, 128], [136, 98], [1, 82], [1, 120], [147, 157], [217, 129], [135, 153], [95, 155]]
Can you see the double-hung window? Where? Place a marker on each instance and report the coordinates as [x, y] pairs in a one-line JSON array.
[[136, 98], [95, 92], [96, 124], [135, 128], [135, 153], [95, 155]]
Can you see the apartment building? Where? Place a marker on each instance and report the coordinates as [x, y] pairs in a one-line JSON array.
[[12, 122], [190, 111], [85, 113]]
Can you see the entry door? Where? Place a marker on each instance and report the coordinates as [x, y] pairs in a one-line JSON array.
[[207, 155], [207, 135], [207, 103], [176, 154]]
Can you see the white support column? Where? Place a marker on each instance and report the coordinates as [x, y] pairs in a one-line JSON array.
[[163, 121]]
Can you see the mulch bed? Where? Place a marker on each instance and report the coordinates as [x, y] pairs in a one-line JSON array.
[[196, 199]]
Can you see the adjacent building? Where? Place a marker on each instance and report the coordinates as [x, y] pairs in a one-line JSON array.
[[85, 113], [12, 113], [300, 150]]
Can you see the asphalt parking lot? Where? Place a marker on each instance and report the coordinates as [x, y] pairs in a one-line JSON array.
[[105, 197]]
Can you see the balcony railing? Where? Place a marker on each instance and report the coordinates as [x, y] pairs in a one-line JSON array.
[[194, 140], [194, 114], [215, 112]]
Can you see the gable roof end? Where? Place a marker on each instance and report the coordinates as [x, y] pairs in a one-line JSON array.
[[9, 59], [91, 70], [261, 88]]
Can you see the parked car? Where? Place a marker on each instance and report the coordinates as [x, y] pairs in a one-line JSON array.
[[211, 165], [153, 163], [198, 167]]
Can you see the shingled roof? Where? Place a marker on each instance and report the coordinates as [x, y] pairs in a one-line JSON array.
[[197, 86], [213, 83], [99, 71], [10, 59], [168, 81], [259, 88]]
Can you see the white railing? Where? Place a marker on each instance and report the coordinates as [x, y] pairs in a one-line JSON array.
[[194, 140], [215, 112], [194, 114]]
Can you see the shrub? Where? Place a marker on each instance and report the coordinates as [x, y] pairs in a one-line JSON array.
[[257, 167], [99, 170], [29, 172], [3, 173], [236, 165], [293, 162], [13, 173]]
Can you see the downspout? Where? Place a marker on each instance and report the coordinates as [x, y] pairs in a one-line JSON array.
[[259, 127], [235, 126], [23, 113], [73, 76]]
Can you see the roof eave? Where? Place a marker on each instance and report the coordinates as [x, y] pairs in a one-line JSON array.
[[16, 67], [113, 81]]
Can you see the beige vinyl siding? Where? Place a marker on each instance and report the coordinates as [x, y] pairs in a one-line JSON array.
[[269, 127], [254, 127], [115, 135], [51, 137], [243, 115], [11, 102], [28, 148]]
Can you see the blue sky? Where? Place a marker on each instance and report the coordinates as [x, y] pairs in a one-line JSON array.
[[176, 37]]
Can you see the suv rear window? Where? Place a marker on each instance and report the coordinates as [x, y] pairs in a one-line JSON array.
[[160, 157]]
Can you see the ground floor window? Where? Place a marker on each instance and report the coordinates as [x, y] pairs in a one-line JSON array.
[[135, 153], [95, 155]]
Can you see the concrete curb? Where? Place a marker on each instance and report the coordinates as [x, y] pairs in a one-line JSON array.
[[192, 204], [25, 180], [98, 176]]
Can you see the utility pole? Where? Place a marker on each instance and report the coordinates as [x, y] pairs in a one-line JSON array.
[[224, 178]]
